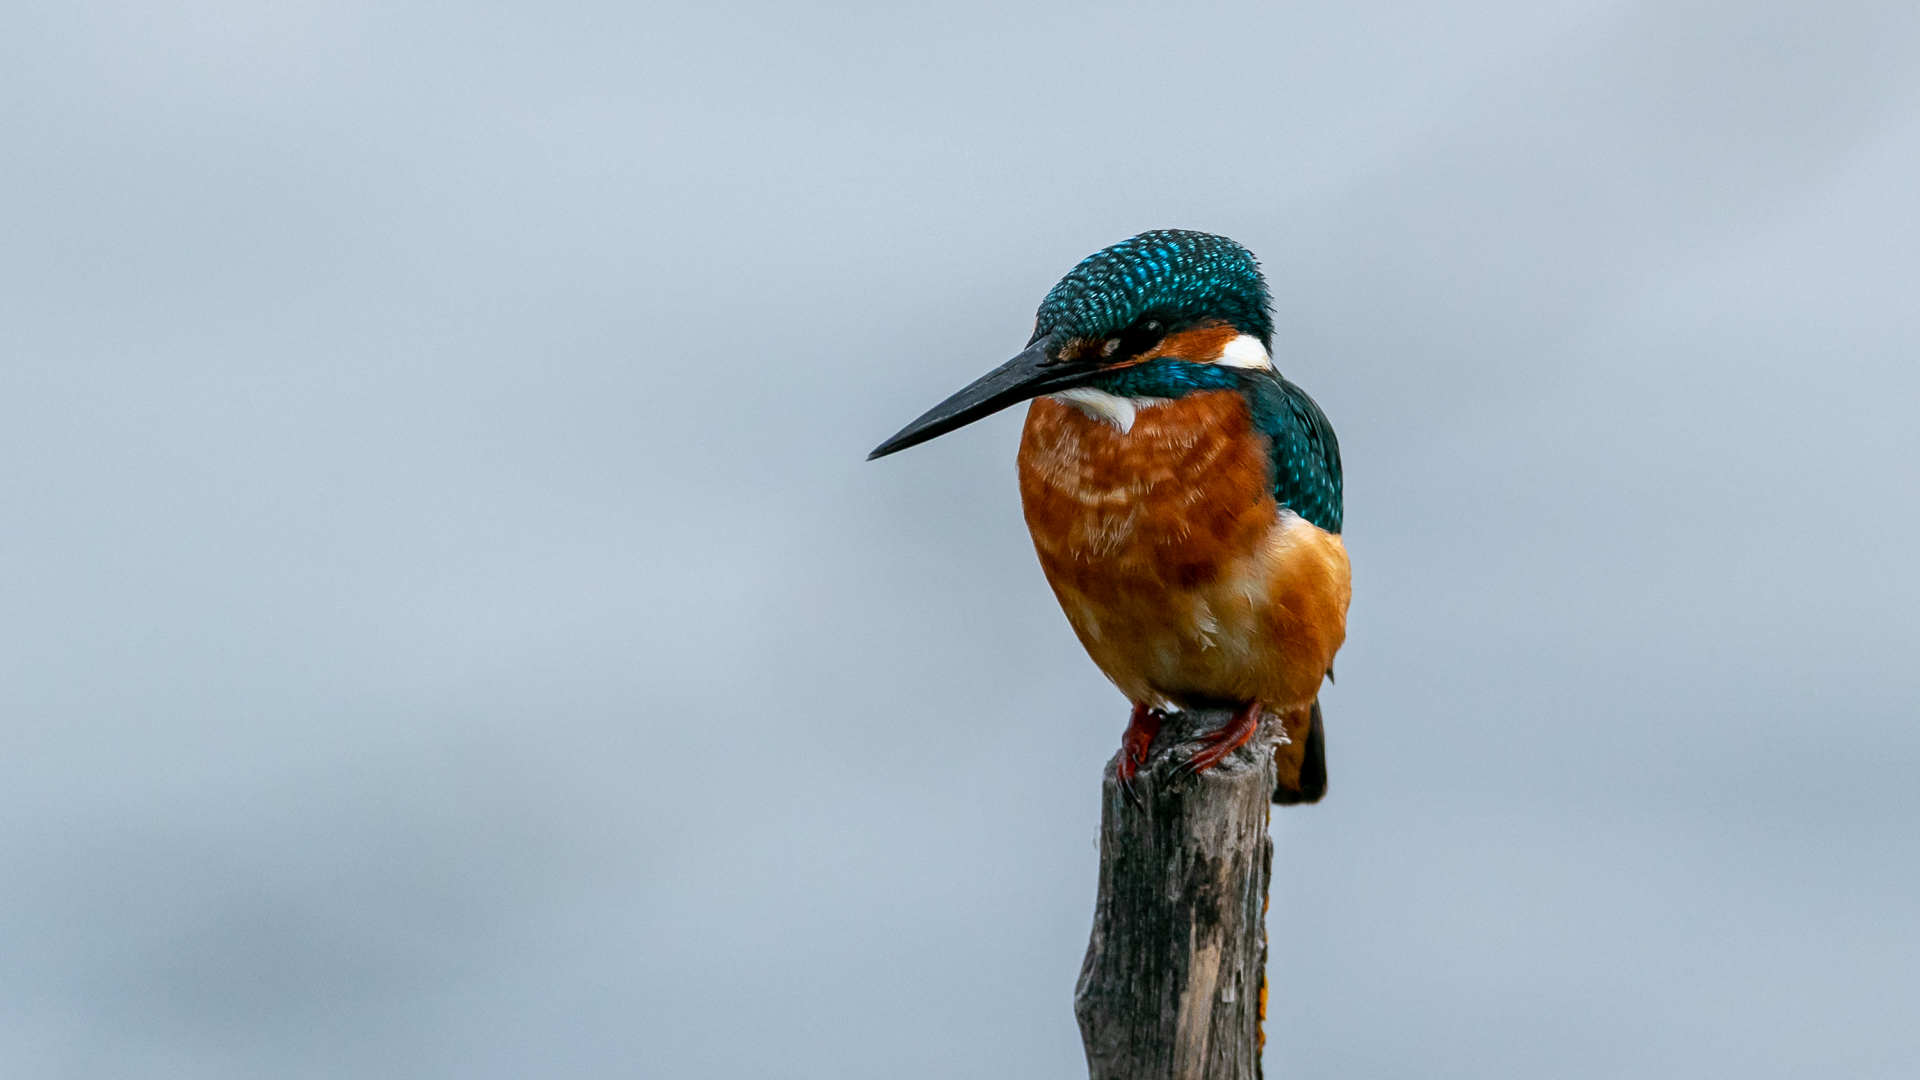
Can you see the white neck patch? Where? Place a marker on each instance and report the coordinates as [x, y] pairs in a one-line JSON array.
[[1245, 351], [1100, 405]]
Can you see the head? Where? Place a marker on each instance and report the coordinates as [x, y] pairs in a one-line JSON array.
[[1164, 298]]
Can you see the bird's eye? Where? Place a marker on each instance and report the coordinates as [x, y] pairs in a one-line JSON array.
[[1136, 339]]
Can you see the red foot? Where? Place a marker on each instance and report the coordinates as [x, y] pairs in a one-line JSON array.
[[1135, 744], [1215, 745]]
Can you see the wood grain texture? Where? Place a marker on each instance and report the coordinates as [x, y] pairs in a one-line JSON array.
[[1174, 979]]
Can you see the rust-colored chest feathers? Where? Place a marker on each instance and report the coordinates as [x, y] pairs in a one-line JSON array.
[[1170, 502], [1179, 572]]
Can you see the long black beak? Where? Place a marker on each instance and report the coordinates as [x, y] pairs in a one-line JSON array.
[[1025, 376]]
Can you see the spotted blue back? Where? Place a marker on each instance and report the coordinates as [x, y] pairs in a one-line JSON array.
[[1306, 455]]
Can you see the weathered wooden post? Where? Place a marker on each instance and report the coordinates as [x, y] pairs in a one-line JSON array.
[[1174, 984]]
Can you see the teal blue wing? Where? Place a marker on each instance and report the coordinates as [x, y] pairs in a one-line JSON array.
[[1306, 455]]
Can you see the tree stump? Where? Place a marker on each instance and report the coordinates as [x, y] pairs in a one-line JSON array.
[[1174, 984]]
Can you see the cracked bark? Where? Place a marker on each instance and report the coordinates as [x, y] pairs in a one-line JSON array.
[[1174, 981]]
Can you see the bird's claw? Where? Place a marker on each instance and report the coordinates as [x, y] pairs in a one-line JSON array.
[[1135, 745], [1215, 745]]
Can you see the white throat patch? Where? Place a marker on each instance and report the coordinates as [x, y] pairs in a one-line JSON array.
[[1100, 405], [1245, 351]]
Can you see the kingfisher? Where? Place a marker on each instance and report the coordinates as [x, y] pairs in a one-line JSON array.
[[1184, 498]]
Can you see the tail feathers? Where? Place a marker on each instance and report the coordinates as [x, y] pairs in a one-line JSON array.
[[1302, 762]]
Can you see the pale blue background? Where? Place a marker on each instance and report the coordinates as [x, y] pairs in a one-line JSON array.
[[448, 630]]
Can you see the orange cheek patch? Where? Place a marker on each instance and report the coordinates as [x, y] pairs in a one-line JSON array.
[[1200, 344]]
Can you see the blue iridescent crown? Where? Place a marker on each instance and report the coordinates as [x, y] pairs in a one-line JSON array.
[[1182, 276]]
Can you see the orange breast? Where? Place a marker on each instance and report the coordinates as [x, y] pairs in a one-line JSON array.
[[1177, 569]]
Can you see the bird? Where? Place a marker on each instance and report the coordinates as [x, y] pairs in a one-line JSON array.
[[1184, 498]]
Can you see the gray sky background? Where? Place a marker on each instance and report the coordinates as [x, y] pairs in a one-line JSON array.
[[448, 629]]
